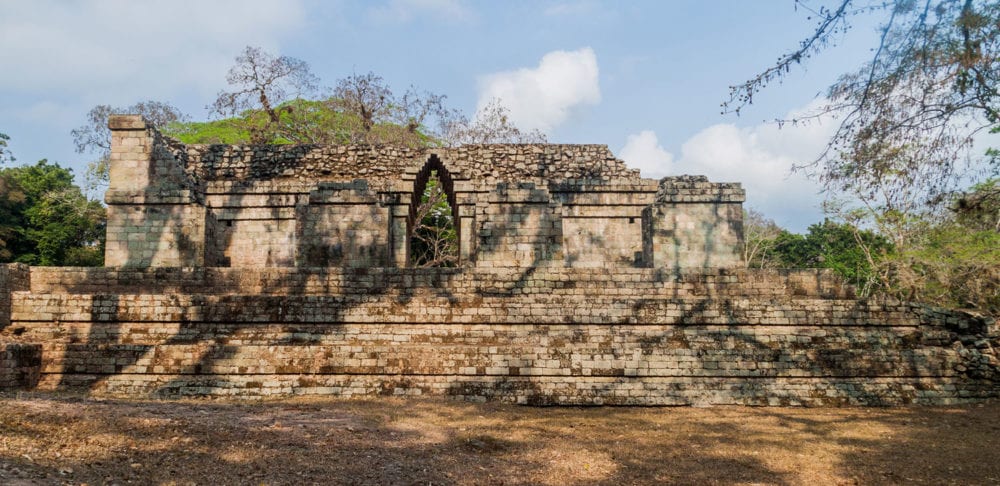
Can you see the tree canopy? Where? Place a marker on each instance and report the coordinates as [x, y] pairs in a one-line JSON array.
[[5, 153], [903, 150], [46, 220], [907, 118]]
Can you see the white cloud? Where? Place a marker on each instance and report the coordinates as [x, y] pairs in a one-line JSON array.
[[643, 151], [402, 11], [117, 51], [544, 97], [760, 157]]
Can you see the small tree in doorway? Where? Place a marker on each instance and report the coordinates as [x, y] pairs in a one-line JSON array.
[[434, 239]]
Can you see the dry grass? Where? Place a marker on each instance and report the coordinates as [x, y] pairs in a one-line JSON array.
[[64, 439]]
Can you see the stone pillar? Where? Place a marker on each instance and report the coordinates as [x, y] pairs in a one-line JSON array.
[[398, 201], [156, 216], [466, 234], [465, 210], [131, 154]]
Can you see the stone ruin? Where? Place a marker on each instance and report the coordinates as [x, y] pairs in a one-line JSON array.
[[286, 269]]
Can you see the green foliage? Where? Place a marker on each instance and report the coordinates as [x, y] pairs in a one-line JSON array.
[[226, 131], [5, 154], [434, 239], [46, 220], [847, 250], [955, 261], [952, 266], [298, 121]]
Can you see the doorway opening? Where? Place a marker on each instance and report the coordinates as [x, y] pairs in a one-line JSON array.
[[433, 225]]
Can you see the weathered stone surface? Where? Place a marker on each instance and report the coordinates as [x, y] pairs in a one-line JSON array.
[[267, 270], [543, 336], [13, 277], [329, 206], [20, 366]]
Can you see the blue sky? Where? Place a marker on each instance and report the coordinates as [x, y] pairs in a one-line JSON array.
[[644, 77]]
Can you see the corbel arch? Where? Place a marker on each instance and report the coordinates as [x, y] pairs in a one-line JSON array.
[[446, 178]]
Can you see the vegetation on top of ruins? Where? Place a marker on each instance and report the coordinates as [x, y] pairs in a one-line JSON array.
[[915, 209], [277, 100]]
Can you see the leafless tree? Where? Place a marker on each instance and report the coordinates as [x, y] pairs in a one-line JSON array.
[[492, 124], [759, 234], [261, 81], [377, 115], [95, 137], [366, 96], [434, 239]]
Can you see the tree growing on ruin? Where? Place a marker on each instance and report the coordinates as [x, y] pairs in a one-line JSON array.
[[367, 97], [259, 84], [434, 238], [380, 116], [491, 124]]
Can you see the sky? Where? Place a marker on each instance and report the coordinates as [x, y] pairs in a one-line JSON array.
[[645, 78]]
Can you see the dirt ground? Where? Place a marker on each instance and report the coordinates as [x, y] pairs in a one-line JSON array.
[[67, 439]]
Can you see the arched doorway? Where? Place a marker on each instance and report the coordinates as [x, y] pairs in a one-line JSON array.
[[433, 227]]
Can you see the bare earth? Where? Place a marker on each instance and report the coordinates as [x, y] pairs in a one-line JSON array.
[[67, 439]]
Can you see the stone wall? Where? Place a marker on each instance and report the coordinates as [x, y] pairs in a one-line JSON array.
[[716, 284], [252, 270], [329, 206], [20, 366], [13, 277], [20, 363], [156, 213], [550, 335], [382, 166], [695, 224]]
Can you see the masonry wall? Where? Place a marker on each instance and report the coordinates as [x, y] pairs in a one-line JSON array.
[[548, 335], [156, 213], [263, 270], [333, 206], [13, 277], [602, 223], [695, 224], [20, 363], [20, 366], [155, 235], [343, 226]]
